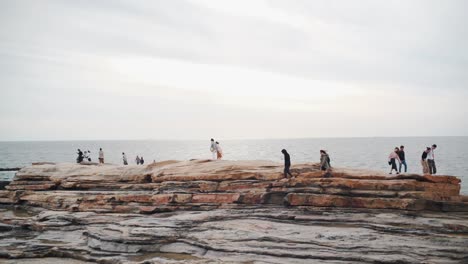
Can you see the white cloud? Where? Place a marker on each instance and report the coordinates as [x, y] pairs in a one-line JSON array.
[[351, 67]]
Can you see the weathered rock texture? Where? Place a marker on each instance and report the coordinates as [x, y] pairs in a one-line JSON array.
[[202, 184], [210, 212]]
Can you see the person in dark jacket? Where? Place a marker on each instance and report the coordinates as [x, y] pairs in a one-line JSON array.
[[424, 160], [80, 156], [401, 155], [287, 164], [325, 163]]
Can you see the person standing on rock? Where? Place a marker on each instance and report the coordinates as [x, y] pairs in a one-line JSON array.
[[324, 161], [431, 160], [401, 155], [424, 160], [80, 156], [213, 149], [101, 156], [124, 158], [392, 160], [142, 161], [287, 164], [219, 151], [137, 160]]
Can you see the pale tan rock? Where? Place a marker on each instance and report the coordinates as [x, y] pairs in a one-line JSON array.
[[206, 184]]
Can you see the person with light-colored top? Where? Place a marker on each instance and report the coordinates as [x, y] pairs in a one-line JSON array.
[[124, 158], [219, 151], [213, 149], [392, 158], [137, 160], [101, 156], [431, 160]]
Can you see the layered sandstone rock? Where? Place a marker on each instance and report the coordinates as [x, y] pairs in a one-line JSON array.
[[271, 234], [206, 185], [204, 211]]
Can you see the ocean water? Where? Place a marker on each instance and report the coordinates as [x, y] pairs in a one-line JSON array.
[[370, 153]]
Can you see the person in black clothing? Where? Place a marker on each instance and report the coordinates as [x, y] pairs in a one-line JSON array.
[[80, 156], [401, 154], [287, 164], [424, 161], [142, 161]]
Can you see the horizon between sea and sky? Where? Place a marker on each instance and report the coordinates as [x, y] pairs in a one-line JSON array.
[[191, 70]]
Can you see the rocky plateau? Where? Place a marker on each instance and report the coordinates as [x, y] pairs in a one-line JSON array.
[[203, 211]]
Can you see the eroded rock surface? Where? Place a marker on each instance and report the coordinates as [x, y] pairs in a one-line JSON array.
[[261, 235], [205, 185], [229, 212]]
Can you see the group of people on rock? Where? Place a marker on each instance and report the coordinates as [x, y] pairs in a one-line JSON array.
[[86, 156], [427, 160], [216, 151], [324, 163], [83, 156], [139, 160], [398, 154]]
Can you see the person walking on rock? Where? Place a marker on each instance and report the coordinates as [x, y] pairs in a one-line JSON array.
[[431, 160], [137, 160], [424, 161], [401, 155], [213, 149], [392, 160], [101, 156], [219, 151], [124, 158], [287, 164]]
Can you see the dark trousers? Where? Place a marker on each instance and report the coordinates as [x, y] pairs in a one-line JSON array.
[[432, 166], [286, 171], [393, 163], [403, 162]]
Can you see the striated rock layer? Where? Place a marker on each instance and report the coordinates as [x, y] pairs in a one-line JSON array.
[[204, 211], [202, 184]]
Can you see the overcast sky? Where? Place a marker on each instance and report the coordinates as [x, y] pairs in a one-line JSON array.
[[232, 69]]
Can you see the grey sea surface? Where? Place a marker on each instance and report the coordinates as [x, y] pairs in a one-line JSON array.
[[370, 153]]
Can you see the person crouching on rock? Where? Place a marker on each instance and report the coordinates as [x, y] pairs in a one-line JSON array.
[[325, 162], [219, 151], [392, 160], [287, 164]]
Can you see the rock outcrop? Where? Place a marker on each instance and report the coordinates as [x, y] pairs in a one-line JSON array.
[[202, 211]]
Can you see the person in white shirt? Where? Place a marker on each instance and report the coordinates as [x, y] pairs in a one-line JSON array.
[[213, 149], [101, 156], [431, 160], [219, 151]]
